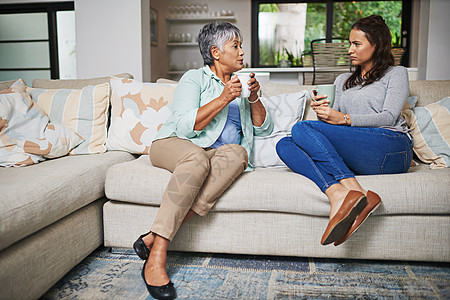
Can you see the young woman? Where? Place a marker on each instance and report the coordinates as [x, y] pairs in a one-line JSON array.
[[205, 144], [362, 134]]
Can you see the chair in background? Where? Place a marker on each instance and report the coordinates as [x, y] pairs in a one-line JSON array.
[[330, 58], [398, 55]]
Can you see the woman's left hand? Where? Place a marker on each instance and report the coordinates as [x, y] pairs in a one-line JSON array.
[[254, 87]]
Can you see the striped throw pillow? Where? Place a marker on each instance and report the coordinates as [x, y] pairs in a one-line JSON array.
[[430, 128], [84, 111]]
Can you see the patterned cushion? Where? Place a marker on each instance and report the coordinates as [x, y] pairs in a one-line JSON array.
[[4, 85], [138, 112], [430, 128], [285, 110], [85, 111], [26, 134]]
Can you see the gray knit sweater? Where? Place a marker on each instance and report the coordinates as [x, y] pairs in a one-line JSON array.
[[378, 104]]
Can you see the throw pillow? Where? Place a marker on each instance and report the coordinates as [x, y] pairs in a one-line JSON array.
[[4, 85], [138, 112], [26, 134], [410, 102], [84, 111], [285, 110], [430, 128]]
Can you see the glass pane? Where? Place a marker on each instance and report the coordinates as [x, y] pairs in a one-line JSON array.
[[286, 30], [346, 13], [24, 55], [28, 76], [316, 25], [66, 44], [31, 26]]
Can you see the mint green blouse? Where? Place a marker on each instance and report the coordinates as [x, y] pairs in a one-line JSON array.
[[195, 89]]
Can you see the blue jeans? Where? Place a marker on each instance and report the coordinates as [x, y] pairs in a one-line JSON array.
[[327, 153]]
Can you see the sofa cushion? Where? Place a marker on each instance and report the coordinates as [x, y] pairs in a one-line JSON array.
[[138, 112], [273, 89], [420, 191], [4, 85], [285, 110], [38, 195], [430, 128], [429, 91], [26, 134], [73, 83], [85, 111]]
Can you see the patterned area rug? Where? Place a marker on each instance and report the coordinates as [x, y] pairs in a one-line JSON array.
[[116, 275]]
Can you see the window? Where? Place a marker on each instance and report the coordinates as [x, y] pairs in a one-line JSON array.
[[286, 28], [37, 40]]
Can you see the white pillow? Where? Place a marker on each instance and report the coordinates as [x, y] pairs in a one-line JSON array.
[[285, 110]]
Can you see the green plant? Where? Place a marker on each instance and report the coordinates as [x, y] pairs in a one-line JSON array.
[[295, 61]]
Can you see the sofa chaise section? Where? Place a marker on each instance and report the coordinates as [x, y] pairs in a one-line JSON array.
[[50, 219]]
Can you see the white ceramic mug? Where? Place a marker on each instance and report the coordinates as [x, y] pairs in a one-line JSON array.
[[244, 79]]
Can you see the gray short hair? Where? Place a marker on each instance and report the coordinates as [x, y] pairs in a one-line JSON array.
[[216, 34]]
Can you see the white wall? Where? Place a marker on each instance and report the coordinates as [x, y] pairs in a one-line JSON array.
[[111, 38], [434, 40]]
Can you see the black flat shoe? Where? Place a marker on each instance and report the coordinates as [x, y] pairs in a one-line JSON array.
[[164, 292], [141, 248]]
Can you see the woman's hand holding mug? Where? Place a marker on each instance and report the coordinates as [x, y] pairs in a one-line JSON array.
[[232, 89], [250, 86], [324, 91]]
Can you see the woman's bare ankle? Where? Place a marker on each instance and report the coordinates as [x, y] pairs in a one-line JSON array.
[[336, 195], [155, 269], [149, 239]]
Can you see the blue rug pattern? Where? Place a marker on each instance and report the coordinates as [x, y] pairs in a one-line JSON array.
[[117, 275]]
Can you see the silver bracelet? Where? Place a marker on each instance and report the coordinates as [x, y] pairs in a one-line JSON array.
[[346, 119], [257, 99]]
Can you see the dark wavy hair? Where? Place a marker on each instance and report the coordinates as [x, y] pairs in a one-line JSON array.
[[378, 34]]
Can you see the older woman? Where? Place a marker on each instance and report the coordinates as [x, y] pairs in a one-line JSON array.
[[363, 133], [205, 144]]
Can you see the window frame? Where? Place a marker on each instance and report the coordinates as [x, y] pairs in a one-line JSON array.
[[405, 30], [51, 8]]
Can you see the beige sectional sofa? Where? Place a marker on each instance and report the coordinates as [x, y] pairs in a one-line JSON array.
[[51, 214], [273, 211]]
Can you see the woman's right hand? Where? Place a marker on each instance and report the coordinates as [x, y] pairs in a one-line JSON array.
[[318, 101], [232, 89]]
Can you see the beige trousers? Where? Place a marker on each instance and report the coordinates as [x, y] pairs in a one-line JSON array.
[[199, 177]]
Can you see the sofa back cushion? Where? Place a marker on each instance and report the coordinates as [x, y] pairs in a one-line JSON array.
[[73, 83], [429, 91]]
